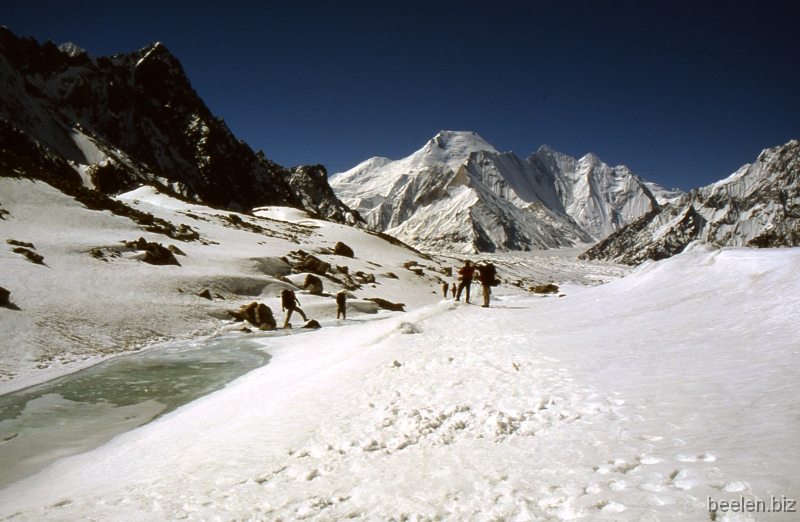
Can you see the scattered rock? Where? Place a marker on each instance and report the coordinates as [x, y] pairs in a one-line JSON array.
[[175, 250], [409, 264], [98, 254], [246, 329], [206, 294], [396, 364], [312, 324], [314, 265], [391, 275], [313, 284], [387, 305], [343, 269], [156, 254], [340, 249], [561, 294], [4, 295], [219, 296], [418, 271], [448, 271], [30, 255], [546, 289], [257, 314], [20, 243], [370, 278]]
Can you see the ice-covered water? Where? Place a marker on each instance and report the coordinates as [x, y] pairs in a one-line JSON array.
[[78, 412]]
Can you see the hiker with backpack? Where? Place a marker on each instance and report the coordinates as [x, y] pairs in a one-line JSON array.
[[290, 303], [465, 281], [341, 305], [487, 275]]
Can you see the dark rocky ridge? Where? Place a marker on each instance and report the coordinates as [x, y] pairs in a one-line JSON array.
[[758, 206], [142, 123]]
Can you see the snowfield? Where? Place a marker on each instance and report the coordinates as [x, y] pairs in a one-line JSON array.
[[634, 400]]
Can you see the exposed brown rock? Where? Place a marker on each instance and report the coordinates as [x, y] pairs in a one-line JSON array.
[[4, 295], [546, 289], [387, 305], [313, 284], [340, 249]]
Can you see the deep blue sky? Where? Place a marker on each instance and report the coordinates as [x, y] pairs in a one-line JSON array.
[[684, 93]]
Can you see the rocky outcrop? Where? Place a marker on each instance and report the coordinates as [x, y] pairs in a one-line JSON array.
[[387, 305], [546, 289], [114, 123], [340, 249], [4, 296], [314, 265], [257, 314], [757, 206], [155, 253], [313, 284]]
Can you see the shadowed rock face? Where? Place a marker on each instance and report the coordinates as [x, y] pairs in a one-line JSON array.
[[757, 206], [135, 118]]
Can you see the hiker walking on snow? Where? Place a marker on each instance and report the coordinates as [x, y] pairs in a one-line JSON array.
[[453, 290], [341, 305], [487, 276], [465, 280], [290, 303], [445, 286]]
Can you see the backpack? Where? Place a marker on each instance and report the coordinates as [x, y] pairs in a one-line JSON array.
[[287, 298], [491, 275]]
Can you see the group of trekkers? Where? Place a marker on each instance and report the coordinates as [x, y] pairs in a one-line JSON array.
[[487, 276], [290, 304]]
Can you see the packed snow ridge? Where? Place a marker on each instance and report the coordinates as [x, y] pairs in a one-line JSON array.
[[459, 194]]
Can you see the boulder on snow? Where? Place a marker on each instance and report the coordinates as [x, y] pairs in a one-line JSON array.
[[313, 323], [387, 305], [340, 249], [313, 284], [175, 250], [30, 255], [546, 289], [257, 314], [4, 295], [314, 265], [206, 294], [155, 253], [391, 275]]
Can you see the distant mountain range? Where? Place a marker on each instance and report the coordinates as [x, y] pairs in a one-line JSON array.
[[459, 194], [757, 206], [111, 124]]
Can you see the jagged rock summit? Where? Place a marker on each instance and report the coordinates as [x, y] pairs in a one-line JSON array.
[[758, 206], [458, 193], [114, 123]]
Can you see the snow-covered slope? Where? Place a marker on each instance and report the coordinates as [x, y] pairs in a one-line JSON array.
[[758, 205], [93, 297], [458, 193], [633, 401], [113, 123]]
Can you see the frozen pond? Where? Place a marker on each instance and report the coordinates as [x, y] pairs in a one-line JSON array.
[[84, 410]]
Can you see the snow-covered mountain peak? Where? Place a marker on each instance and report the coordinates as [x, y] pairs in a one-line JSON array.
[[72, 49], [450, 147]]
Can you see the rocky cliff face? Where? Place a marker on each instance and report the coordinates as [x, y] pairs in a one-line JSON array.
[[121, 121], [759, 206]]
